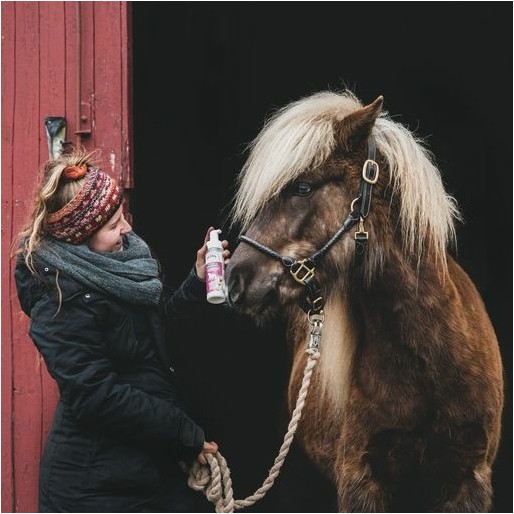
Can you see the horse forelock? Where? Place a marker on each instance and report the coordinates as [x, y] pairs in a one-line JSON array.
[[297, 138]]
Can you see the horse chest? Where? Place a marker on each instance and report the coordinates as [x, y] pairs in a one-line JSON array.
[[324, 411]]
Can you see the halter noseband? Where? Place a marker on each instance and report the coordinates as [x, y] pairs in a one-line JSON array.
[[303, 270]]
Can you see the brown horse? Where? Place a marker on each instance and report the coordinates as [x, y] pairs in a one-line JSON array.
[[345, 217]]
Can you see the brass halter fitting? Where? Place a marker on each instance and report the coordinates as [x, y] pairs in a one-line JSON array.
[[361, 234], [372, 166], [302, 271]]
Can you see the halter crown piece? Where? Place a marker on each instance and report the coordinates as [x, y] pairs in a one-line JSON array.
[[89, 210], [303, 270]]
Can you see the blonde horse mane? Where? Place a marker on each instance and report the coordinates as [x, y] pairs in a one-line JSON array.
[[300, 137]]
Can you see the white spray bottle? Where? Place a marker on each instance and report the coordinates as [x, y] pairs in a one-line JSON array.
[[215, 269]]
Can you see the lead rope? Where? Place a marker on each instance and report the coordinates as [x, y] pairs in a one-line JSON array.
[[214, 480]]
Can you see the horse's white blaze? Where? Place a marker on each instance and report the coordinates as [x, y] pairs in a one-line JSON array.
[[338, 343]]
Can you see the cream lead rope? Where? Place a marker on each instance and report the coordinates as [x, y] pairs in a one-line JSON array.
[[214, 480]]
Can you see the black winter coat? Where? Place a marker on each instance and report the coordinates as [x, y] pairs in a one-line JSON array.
[[118, 431]]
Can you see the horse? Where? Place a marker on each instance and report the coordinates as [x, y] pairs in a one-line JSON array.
[[346, 231]]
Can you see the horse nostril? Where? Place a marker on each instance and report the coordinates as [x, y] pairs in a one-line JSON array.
[[235, 288], [232, 297], [232, 293]]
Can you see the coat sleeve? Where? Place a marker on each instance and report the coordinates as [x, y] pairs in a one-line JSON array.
[[71, 345], [186, 301]]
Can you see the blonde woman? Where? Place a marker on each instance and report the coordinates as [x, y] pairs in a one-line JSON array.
[[92, 290]]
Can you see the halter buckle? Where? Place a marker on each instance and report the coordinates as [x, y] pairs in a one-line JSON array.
[[301, 272], [361, 234], [374, 178]]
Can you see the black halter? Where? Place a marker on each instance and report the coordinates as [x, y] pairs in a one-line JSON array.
[[303, 270]]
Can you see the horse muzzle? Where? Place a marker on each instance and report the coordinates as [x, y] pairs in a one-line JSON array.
[[252, 289]]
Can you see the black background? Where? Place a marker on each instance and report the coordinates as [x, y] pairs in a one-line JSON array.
[[206, 75]]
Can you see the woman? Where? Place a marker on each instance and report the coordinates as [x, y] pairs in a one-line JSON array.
[[96, 303]]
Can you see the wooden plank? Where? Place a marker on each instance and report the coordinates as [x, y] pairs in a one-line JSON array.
[[52, 60], [108, 84], [85, 69], [8, 88], [26, 370], [51, 65], [126, 96], [71, 63]]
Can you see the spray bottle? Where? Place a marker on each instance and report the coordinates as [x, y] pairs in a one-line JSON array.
[[215, 269]]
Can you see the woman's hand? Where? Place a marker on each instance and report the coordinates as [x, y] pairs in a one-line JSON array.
[[200, 255], [211, 447]]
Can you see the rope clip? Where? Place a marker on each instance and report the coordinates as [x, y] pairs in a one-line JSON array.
[[316, 321]]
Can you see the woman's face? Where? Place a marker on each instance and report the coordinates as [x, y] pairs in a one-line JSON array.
[[109, 237]]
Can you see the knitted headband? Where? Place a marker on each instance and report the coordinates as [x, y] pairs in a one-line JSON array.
[[90, 209]]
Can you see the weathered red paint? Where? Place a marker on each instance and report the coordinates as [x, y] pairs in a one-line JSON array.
[[7, 132], [43, 55]]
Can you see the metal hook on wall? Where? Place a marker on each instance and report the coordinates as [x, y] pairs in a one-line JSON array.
[[56, 135]]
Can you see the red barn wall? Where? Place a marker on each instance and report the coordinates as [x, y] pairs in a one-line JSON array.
[[70, 59]]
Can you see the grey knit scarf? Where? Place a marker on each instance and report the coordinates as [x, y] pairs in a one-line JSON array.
[[132, 275]]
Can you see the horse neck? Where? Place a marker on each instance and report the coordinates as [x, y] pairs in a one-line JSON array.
[[406, 299], [403, 302]]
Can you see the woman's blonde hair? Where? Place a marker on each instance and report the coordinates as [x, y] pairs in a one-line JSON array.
[[51, 194]]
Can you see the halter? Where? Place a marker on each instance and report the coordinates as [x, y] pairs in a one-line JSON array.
[[303, 270]]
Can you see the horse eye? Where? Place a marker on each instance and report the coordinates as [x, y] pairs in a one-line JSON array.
[[302, 189]]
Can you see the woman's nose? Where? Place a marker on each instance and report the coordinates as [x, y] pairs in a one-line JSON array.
[[126, 226]]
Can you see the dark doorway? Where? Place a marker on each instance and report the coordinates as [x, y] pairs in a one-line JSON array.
[[205, 77]]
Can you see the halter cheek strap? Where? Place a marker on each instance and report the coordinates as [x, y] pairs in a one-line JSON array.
[[369, 178], [303, 270]]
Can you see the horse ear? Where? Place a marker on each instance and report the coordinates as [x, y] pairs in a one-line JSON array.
[[356, 127]]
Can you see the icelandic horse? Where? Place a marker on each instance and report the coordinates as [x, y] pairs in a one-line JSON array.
[[345, 218]]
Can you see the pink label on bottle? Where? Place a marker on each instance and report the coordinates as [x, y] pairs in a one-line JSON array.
[[214, 279]]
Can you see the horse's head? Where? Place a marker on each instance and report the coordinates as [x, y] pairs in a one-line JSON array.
[[300, 184]]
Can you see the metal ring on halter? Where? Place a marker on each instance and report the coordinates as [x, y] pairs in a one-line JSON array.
[[318, 317], [317, 304], [352, 205]]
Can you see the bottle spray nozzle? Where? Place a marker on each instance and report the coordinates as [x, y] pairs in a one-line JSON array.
[[214, 239], [214, 234]]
